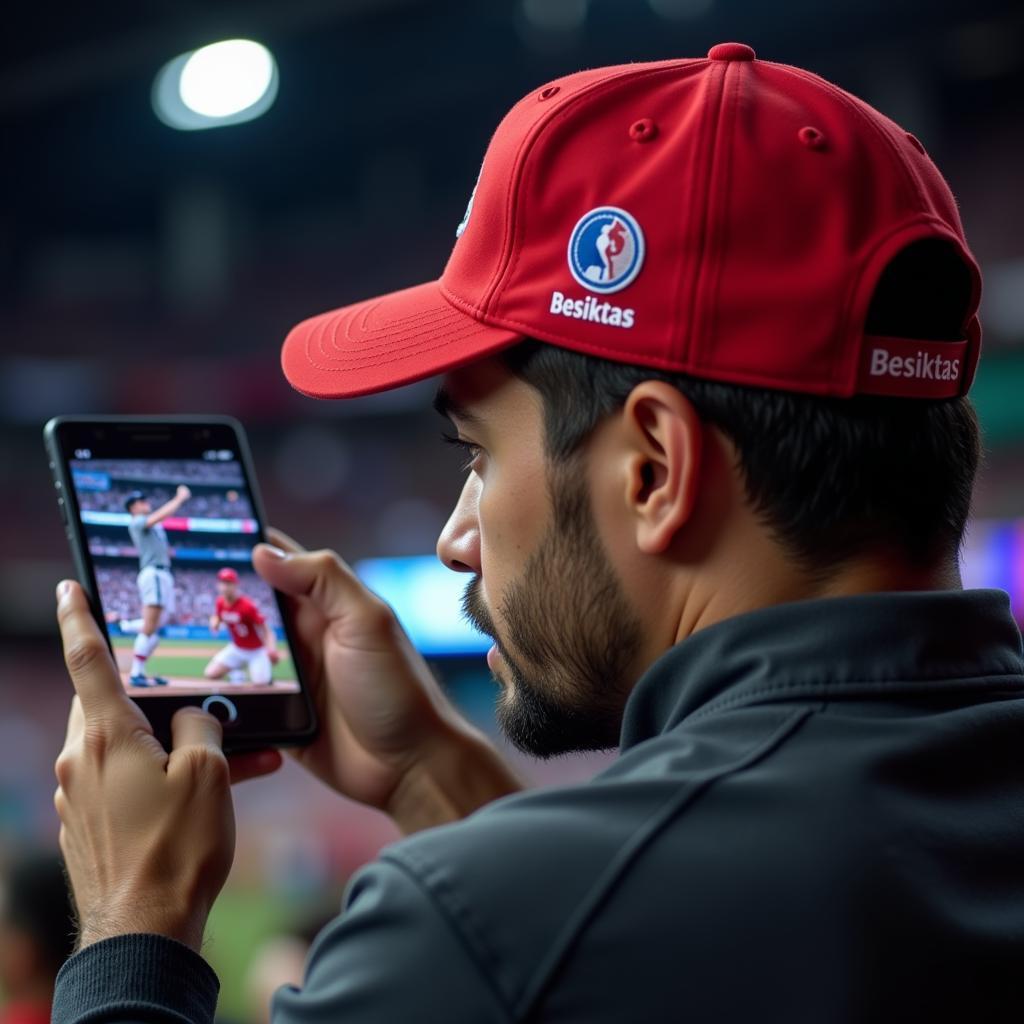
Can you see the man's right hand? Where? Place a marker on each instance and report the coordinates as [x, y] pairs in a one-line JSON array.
[[388, 736]]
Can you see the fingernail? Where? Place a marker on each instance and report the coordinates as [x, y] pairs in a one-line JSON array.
[[62, 589], [275, 552]]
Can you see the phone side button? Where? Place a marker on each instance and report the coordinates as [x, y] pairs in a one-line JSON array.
[[221, 708]]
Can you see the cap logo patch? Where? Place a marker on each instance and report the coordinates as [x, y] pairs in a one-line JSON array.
[[469, 206], [606, 250]]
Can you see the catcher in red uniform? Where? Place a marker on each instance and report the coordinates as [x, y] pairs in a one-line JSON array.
[[253, 646]]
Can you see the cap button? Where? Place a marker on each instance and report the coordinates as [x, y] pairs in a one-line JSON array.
[[731, 51]]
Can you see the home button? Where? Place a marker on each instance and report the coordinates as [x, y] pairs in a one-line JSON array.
[[221, 708]]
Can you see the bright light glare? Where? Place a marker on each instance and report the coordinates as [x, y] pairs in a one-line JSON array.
[[224, 78], [222, 84]]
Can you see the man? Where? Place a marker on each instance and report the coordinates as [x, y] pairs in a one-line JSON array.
[[712, 517], [155, 582], [253, 646]]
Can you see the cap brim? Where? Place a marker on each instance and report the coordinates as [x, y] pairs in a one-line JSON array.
[[386, 342]]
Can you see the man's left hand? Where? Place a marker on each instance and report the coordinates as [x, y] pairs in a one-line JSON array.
[[148, 837]]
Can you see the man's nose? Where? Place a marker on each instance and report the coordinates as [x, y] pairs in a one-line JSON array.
[[458, 546]]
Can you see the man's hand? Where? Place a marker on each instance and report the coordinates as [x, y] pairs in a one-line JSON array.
[[168, 508], [388, 735], [148, 837]]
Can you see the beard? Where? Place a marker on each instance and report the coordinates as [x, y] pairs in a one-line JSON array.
[[569, 635]]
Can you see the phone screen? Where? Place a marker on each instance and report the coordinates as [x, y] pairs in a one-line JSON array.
[[180, 574], [163, 518]]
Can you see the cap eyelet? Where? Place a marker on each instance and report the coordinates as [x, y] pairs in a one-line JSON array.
[[812, 138], [916, 143], [548, 91], [643, 130]]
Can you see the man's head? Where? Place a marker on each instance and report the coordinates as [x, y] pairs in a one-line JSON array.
[[137, 504], [227, 584], [610, 511], [721, 365]]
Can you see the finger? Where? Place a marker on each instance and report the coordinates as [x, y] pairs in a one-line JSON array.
[[253, 764], [192, 727], [76, 722], [319, 575], [282, 540], [196, 752], [90, 665]]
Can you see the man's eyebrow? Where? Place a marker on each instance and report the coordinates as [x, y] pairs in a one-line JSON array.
[[447, 406]]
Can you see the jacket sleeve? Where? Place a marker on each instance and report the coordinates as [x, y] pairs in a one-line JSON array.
[[135, 979], [391, 956]]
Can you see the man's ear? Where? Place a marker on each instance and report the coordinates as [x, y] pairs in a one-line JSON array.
[[666, 437]]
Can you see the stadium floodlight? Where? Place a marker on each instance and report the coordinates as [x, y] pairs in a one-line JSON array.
[[222, 84]]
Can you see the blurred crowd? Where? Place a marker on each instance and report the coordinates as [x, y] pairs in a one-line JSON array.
[[168, 471], [230, 504], [195, 593], [36, 935], [114, 540]]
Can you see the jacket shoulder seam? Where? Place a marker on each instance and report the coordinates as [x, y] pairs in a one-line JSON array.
[[588, 907], [407, 864]]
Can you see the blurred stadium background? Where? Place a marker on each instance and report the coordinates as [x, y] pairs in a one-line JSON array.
[[148, 270]]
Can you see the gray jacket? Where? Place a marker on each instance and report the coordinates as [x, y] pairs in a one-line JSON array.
[[817, 815]]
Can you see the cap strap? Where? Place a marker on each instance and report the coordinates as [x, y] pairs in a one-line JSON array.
[[911, 367]]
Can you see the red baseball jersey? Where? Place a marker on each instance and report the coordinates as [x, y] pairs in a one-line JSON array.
[[241, 618]]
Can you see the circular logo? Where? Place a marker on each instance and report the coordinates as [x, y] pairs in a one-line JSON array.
[[606, 249]]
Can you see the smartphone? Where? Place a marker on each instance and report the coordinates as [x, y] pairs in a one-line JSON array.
[[162, 514]]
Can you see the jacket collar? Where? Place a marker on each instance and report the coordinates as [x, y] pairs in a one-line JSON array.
[[834, 648]]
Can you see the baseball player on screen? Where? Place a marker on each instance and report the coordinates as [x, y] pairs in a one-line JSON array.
[[155, 582], [253, 643]]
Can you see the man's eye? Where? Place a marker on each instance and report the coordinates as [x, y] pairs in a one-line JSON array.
[[470, 450]]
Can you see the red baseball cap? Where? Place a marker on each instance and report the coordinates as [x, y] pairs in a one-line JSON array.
[[227, 576], [726, 218]]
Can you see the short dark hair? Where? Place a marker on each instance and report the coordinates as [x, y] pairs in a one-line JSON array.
[[831, 477]]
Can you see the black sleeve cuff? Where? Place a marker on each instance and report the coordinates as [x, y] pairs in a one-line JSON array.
[[138, 977]]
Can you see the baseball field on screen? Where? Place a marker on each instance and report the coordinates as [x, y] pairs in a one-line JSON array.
[[181, 663]]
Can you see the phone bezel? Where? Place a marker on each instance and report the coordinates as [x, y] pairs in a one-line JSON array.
[[260, 716]]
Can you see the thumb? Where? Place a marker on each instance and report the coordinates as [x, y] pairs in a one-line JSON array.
[[320, 576], [194, 735]]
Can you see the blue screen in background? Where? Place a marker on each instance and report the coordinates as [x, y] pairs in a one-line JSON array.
[[427, 598], [993, 556]]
